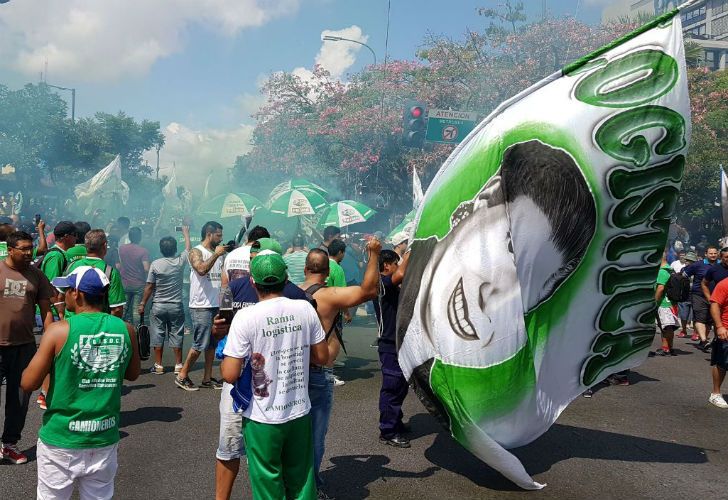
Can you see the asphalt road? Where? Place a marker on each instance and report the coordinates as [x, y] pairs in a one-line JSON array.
[[658, 438]]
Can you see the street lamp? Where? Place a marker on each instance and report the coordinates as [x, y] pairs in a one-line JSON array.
[[73, 100], [329, 38]]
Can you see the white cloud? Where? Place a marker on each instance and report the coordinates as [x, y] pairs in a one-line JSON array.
[[106, 40], [337, 57], [195, 153]]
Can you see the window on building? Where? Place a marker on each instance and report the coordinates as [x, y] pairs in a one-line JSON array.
[[710, 59], [698, 31], [693, 16], [720, 6]]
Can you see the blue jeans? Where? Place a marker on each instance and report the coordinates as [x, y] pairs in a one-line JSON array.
[[321, 394], [202, 328]]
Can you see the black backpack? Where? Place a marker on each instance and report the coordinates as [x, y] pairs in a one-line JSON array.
[[677, 288]]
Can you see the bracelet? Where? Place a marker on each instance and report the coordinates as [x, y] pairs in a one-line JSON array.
[[59, 303]]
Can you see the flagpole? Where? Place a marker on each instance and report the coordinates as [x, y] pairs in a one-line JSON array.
[[687, 4]]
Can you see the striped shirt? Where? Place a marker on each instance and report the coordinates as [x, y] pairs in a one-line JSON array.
[[296, 261]]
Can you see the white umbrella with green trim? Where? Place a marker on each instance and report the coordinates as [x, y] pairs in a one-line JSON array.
[[229, 205], [297, 202], [345, 213], [405, 229], [287, 186]]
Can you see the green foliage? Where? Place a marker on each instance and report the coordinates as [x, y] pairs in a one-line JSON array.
[[38, 138]]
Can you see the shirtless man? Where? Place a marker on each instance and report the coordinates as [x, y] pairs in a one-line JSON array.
[[329, 302]]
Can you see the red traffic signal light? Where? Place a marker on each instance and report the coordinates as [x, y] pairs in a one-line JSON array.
[[413, 124]]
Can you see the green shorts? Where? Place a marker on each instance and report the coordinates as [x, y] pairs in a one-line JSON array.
[[280, 459]]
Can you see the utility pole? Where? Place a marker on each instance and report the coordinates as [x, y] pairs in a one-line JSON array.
[[73, 99]]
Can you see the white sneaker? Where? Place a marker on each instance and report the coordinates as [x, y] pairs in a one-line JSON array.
[[177, 368], [717, 400], [338, 381]]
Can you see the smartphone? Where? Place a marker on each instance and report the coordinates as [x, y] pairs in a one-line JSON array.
[[227, 314], [178, 229], [37, 219]]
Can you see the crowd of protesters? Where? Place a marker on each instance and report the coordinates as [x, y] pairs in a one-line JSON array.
[[83, 288]]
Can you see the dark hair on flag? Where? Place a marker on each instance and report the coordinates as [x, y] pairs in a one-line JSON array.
[[553, 181]]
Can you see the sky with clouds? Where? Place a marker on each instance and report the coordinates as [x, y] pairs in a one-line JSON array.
[[197, 65]]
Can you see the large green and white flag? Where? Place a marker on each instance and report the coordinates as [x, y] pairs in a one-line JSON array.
[[538, 243]]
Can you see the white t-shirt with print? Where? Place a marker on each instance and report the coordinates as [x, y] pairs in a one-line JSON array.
[[277, 334], [237, 263]]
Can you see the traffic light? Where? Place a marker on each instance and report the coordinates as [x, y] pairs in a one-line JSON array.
[[413, 125]]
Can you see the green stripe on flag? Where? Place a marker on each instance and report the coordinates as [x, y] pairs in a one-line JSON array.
[[576, 65]]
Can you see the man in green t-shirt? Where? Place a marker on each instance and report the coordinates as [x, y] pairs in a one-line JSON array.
[[78, 251], [5, 231], [55, 261], [87, 355], [96, 246], [666, 315]]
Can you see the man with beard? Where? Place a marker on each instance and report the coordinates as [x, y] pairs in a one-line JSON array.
[[24, 286]]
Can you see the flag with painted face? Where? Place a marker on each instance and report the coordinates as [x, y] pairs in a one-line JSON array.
[[538, 243]]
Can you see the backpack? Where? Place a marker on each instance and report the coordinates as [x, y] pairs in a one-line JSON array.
[[677, 287], [40, 261], [337, 325]]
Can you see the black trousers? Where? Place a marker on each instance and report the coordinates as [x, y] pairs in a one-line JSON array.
[[13, 360], [391, 396]]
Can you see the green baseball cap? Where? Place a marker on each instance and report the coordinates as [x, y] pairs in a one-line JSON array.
[[268, 268], [266, 244]]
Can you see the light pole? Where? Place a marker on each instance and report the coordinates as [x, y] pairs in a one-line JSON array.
[[329, 38], [73, 100]]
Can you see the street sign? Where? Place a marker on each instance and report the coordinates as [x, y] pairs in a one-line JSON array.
[[448, 126]]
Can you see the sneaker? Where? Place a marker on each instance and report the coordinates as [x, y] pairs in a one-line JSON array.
[[717, 400], [338, 381], [397, 441], [588, 393], [177, 368], [663, 352], [185, 384], [695, 337], [682, 334], [41, 401], [211, 384], [156, 369], [11, 453]]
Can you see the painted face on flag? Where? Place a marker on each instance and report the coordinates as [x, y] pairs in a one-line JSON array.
[[508, 250]]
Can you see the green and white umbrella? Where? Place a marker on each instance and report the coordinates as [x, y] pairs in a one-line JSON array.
[[225, 206], [404, 229], [297, 202], [344, 213], [287, 186]]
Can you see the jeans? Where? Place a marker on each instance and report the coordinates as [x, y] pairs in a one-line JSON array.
[[133, 298], [13, 360], [168, 320], [202, 328], [321, 394]]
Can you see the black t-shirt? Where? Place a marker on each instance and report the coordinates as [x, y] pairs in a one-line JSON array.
[[715, 274], [387, 317]]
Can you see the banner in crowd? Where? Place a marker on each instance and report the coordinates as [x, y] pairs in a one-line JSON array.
[[104, 190], [538, 243]]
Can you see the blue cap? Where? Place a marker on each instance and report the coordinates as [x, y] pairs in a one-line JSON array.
[[85, 279]]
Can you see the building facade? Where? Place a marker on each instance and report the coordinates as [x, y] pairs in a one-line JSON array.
[[705, 23]]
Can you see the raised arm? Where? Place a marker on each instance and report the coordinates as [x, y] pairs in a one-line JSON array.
[[186, 236], [350, 296], [398, 275], [201, 266], [42, 242]]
